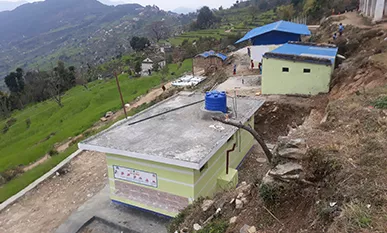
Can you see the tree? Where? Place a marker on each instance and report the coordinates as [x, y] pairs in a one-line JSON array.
[[139, 43], [159, 30], [255, 134], [15, 81], [206, 18], [286, 12], [137, 67], [5, 108], [253, 11], [164, 73]]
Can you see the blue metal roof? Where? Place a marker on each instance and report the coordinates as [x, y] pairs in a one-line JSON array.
[[305, 50], [282, 26], [212, 53]]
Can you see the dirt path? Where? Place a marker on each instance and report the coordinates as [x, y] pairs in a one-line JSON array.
[[354, 19], [44, 208]]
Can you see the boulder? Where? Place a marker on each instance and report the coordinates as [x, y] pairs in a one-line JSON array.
[[238, 204], [109, 114], [252, 230], [292, 153], [233, 220], [286, 169], [197, 227], [207, 204], [291, 148], [103, 119]]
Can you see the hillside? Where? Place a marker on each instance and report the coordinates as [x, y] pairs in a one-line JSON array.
[[37, 34], [8, 5]]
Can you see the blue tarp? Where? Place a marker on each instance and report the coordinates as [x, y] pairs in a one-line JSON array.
[[307, 51], [276, 33], [212, 53]]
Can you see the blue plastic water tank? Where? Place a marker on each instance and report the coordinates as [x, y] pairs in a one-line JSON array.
[[216, 101]]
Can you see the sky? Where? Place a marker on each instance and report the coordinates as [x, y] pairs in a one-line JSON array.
[[172, 4]]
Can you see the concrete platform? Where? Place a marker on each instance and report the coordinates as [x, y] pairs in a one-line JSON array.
[[101, 213], [243, 85]]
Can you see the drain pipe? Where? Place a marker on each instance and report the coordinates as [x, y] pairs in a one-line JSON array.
[[228, 157]]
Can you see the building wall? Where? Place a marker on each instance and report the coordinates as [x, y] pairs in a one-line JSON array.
[[177, 186], [206, 181], [174, 190], [275, 37], [145, 67], [258, 51], [275, 81]]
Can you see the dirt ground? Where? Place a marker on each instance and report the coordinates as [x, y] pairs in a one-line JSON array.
[[44, 208]]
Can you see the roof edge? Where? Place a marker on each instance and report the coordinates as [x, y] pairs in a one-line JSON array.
[[291, 57], [322, 45], [145, 157]]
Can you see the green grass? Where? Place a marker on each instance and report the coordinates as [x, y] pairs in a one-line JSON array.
[[22, 181], [82, 108]]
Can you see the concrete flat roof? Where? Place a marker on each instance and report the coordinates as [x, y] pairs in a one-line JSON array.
[[179, 137]]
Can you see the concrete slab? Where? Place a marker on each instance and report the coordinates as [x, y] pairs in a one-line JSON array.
[[172, 132], [101, 213], [244, 85]]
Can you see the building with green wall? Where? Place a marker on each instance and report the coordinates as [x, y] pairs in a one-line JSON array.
[[298, 68], [165, 157]]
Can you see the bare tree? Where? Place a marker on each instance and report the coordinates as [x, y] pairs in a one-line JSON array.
[[54, 87], [255, 134], [159, 30]]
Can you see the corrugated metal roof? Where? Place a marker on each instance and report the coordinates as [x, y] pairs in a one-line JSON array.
[[281, 26], [320, 52], [212, 53]]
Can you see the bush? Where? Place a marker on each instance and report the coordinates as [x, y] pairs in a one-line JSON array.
[[28, 123], [53, 152], [269, 193], [219, 226], [381, 103]]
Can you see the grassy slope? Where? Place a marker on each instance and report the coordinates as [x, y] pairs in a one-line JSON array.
[[238, 20], [81, 110]]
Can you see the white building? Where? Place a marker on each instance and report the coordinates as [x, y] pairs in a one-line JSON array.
[[147, 65], [375, 9]]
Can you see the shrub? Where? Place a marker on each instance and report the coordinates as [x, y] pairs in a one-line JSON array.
[[53, 152], [28, 123], [219, 226], [381, 103], [269, 193]]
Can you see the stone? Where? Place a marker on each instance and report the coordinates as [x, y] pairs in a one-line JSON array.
[[244, 229], [252, 230], [57, 173], [184, 230], [292, 153], [232, 201], [244, 188], [261, 160], [103, 119], [238, 204], [109, 114], [286, 169], [207, 204], [127, 106], [240, 195], [244, 200], [197, 227], [233, 220], [267, 179]]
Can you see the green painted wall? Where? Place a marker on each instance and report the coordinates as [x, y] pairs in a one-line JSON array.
[[274, 81], [206, 181], [181, 181]]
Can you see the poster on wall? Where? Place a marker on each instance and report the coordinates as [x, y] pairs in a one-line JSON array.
[[135, 176]]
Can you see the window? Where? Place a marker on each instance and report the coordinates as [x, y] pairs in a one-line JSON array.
[[285, 69], [205, 166], [306, 70]]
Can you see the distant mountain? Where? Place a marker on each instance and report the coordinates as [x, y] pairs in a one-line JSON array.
[[74, 31], [8, 6], [111, 3], [183, 10]]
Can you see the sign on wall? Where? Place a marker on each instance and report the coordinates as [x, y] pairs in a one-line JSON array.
[[135, 176]]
